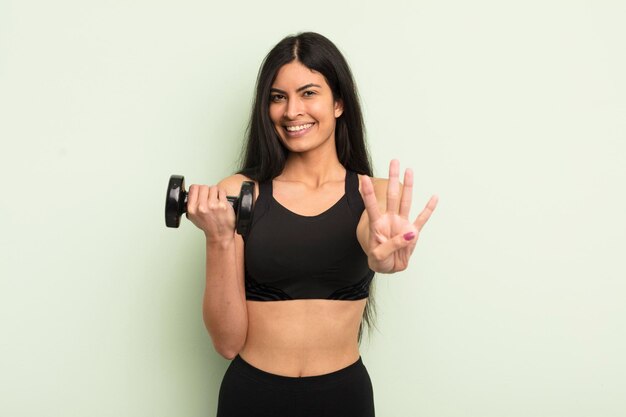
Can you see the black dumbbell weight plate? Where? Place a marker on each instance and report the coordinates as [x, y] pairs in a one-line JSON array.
[[245, 203], [175, 201]]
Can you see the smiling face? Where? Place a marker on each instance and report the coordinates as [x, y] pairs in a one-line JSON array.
[[302, 108]]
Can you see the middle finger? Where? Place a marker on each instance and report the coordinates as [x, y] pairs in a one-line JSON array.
[[393, 187]]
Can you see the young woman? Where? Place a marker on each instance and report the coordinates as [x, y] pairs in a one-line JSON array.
[[286, 302]]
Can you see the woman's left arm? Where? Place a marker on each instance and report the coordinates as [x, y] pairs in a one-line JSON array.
[[385, 232]]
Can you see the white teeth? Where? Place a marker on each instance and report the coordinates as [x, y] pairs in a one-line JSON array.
[[298, 128]]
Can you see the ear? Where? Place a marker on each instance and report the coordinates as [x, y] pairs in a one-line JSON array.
[[338, 108]]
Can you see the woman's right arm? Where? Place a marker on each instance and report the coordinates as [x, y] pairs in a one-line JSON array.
[[224, 303]]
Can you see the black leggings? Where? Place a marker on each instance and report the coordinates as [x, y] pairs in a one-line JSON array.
[[250, 392]]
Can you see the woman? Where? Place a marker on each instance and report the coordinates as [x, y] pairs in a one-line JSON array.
[[286, 302]]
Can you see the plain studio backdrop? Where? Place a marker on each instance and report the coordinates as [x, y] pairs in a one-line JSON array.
[[514, 113]]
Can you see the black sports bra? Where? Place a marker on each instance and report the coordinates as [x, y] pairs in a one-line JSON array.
[[289, 256]]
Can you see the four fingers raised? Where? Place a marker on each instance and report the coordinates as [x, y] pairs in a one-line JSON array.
[[392, 233]]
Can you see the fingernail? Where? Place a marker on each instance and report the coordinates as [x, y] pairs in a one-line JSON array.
[[409, 236]]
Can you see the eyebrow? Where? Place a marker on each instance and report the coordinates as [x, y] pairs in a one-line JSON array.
[[304, 87]]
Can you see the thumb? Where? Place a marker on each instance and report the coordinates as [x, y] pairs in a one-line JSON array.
[[401, 241]]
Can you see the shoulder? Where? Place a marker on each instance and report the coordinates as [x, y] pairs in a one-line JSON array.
[[380, 186], [380, 189], [232, 184]]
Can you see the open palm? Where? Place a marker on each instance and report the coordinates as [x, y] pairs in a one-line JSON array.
[[392, 236]]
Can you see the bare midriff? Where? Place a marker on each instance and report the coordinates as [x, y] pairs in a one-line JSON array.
[[299, 338]]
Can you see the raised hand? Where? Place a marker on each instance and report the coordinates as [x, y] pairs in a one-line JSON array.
[[391, 236], [209, 210]]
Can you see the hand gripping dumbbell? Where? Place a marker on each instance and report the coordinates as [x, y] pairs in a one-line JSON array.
[[176, 204]]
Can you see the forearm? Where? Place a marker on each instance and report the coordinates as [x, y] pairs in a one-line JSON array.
[[224, 305]]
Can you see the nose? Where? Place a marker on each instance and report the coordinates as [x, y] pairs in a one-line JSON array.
[[293, 109]]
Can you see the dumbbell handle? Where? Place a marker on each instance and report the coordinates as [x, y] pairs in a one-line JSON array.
[[232, 200]]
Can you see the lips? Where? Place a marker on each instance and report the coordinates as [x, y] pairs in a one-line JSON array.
[[298, 130]]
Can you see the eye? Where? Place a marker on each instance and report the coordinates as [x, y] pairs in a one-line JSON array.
[[309, 93], [277, 98]]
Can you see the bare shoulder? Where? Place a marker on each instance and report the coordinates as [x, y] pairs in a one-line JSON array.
[[380, 186], [232, 184]]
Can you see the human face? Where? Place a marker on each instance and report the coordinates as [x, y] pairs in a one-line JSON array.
[[303, 109]]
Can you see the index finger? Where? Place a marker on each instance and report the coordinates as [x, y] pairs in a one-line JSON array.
[[192, 198], [369, 198]]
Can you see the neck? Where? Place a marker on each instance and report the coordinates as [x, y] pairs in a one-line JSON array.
[[314, 168]]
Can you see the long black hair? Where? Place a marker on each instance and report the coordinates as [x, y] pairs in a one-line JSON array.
[[264, 155]]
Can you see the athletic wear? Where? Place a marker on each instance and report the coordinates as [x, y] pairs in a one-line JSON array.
[[247, 391], [289, 256]]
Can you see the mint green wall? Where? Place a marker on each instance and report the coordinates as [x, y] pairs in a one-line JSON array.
[[513, 112]]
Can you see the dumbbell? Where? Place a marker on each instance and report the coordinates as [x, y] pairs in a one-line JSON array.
[[176, 204]]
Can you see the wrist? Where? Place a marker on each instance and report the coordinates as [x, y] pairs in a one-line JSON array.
[[220, 243]]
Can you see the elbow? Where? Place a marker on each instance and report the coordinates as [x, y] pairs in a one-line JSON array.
[[228, 351], [228, 336], [229, 355], [228, 345]]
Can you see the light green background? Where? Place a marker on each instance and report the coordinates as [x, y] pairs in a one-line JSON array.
[[513, 112]]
